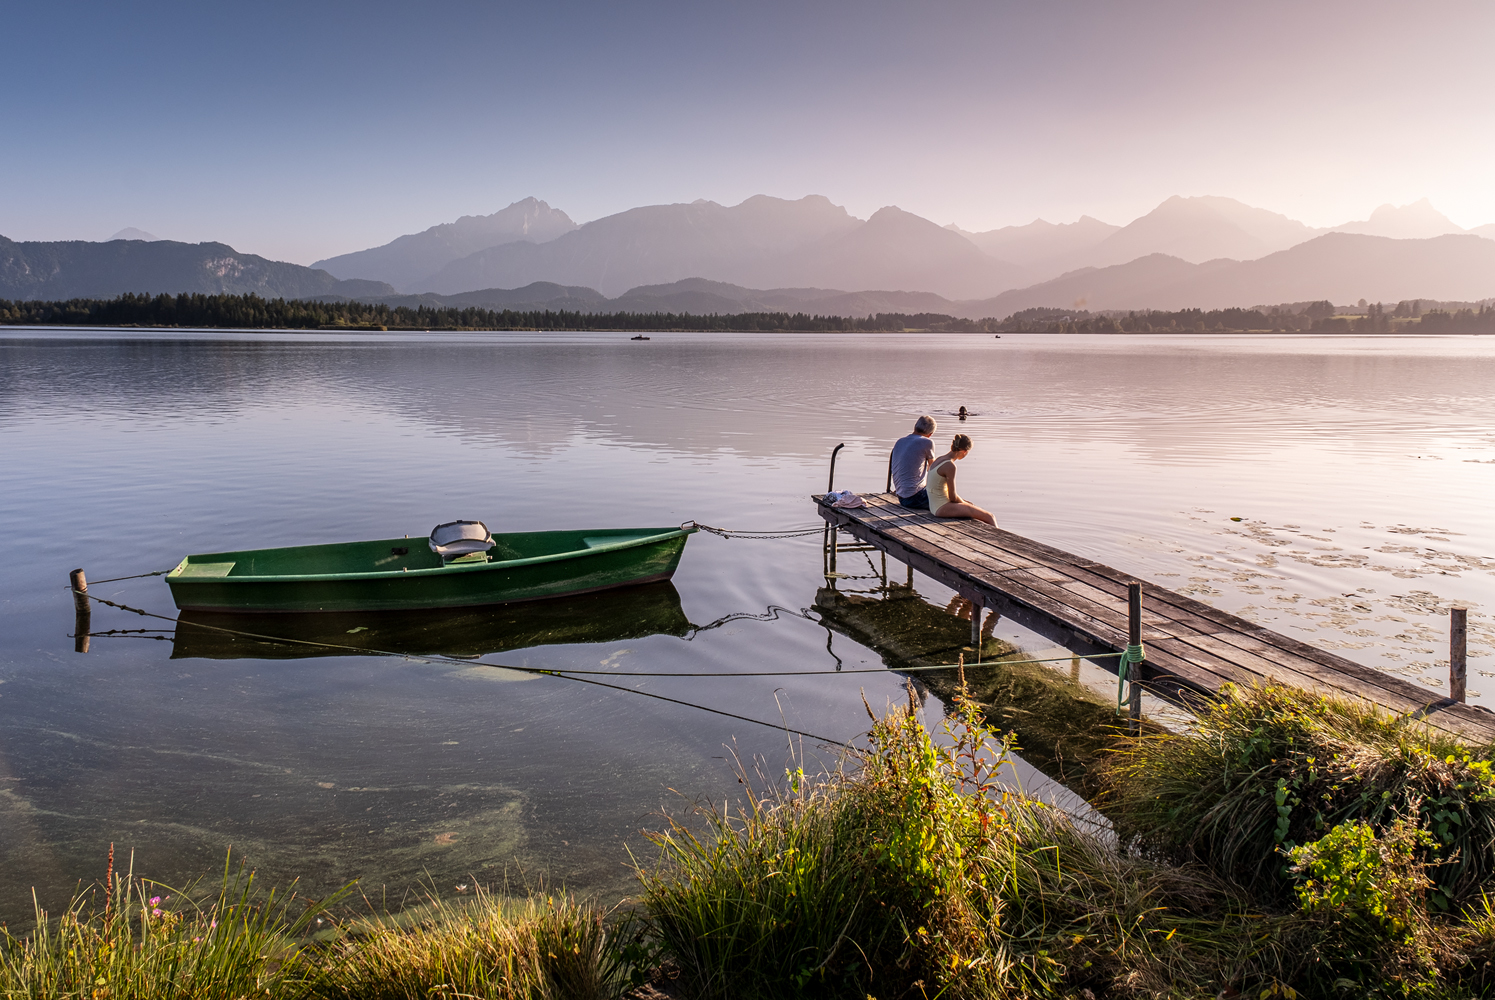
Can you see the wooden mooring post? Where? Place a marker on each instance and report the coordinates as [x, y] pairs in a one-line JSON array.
[[1134, 670], [1458, 654], [82, 614]]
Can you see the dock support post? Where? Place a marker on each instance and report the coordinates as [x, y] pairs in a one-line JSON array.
[[1458, 654], [82, 613], [976, 610], [1134, 637]]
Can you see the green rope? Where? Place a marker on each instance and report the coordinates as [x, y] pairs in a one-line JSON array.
[[1132, 654]]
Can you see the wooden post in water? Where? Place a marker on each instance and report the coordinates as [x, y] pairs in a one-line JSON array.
[[1134, 670], [1458, 653], [976, 628], [82, 614], [833, 535]]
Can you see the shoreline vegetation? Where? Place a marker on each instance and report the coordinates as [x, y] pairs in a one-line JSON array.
[[252, 312], [1288, 845]]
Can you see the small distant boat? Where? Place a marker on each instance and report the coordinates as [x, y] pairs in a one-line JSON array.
[[638, 337], [997, 336], [461, 565]]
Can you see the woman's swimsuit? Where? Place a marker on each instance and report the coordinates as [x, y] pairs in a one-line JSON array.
[[938, 486]]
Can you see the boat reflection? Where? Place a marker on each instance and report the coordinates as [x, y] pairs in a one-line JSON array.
[[609, 616]]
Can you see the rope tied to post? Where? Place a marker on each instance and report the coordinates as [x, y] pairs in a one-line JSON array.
[[1134, 653], [116, 579]]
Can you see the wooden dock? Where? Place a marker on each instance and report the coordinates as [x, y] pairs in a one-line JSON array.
[[1192, 648]]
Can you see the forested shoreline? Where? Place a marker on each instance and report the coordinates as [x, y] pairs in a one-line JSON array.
[[253, 312]]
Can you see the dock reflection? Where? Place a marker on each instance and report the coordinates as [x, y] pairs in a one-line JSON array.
[[608, 616]]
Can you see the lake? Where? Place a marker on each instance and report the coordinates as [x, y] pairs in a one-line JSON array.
[[1335, 489]]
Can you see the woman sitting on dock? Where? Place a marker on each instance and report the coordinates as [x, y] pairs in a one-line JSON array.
[[943, 500]]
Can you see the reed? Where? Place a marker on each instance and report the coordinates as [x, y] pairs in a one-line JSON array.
[[545, 947], [132, 937]]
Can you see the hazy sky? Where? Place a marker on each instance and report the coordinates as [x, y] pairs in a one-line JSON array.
[[301, 130]]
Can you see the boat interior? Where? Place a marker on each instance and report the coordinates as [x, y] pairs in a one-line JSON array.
[[396, 555]]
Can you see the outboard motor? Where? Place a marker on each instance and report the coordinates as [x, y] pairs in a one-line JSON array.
[[457, 539]]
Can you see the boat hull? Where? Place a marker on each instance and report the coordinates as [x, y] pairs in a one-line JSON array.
[[610, 616], [402, 574]]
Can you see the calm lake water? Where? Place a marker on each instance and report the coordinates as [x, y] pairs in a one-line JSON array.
[[1361, 470]]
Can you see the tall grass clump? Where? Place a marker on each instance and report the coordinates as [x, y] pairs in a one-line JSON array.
[[1270, 769], [135, 938], [541, 948], [910, 872]]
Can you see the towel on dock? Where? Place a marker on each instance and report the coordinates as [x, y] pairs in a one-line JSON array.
[[844, 498]]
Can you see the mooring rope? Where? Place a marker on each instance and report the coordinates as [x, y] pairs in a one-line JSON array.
[[770, 614], [1132, 654], [116, 579], [753, 535]]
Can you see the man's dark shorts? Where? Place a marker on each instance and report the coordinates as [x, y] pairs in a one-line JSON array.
[[919, 501]]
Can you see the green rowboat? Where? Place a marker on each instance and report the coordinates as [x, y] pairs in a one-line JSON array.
[[406, 573]]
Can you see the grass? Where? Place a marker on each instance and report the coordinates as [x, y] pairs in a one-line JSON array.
[[910, 873], [132, 937], [1287, 846], [543, 948]]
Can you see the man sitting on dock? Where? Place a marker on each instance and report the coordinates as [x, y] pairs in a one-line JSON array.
[[910, 461]]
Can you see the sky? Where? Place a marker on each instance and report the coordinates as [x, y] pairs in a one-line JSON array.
[[302, 130]]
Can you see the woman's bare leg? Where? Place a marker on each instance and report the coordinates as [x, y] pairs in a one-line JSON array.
[[969, 510]]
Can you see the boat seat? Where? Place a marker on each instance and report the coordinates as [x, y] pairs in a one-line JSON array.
[[456, 539]]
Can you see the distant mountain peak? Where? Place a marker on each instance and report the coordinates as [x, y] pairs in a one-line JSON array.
[[131, 233], [406, 261], [1416, 221]]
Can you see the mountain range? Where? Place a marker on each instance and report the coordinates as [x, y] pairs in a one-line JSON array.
[[763, 242], [79, 269], [769, 242], [773, 254], [1341, 267]]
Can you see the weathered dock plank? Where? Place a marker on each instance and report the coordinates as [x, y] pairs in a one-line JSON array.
[[1192, 648]]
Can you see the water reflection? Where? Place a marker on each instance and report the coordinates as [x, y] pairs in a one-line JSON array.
[[614, 616]]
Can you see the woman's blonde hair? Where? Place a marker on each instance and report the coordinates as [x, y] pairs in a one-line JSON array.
[[962, 442]]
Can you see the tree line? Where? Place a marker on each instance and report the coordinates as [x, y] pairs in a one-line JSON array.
[[1277, 319], [1407, 317], [252, 312]]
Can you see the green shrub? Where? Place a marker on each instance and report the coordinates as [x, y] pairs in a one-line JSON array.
[[1378, 880], [1270, 768]]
